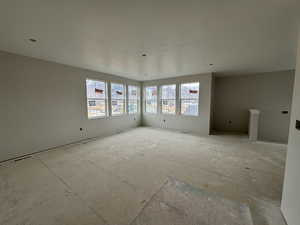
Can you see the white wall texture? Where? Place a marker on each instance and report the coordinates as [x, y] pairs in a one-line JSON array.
[[271, 93], [43, 105], [291, 197], [194, 124]]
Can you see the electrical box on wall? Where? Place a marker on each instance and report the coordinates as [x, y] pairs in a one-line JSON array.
[[298, 124]]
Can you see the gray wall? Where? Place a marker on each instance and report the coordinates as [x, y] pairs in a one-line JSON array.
[[194, 124], [291, 197], [271, 93], [43, 105], [212, 103]]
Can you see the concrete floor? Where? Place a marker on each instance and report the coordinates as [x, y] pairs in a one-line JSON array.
[[113, 180]]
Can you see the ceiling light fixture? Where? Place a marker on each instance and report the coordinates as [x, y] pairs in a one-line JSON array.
[[32, 40]]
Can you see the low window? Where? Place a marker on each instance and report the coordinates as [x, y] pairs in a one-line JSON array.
[[117, 99], [189, 99], [168, 99], [96, 98], [133, 99], [151, 99]]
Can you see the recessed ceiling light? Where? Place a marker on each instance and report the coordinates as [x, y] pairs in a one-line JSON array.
[[32, 40]]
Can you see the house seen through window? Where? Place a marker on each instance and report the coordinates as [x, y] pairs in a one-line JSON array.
[[189, 99], [168, 99], [117, 99], [133, 99], [96, 98], [151, 99]]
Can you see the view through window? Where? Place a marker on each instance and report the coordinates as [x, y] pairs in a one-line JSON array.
[[168, 99], [117, 99], [133, 99], [151, 99], [189, 99], [96, 98]]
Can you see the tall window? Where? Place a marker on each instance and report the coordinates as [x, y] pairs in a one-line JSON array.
[[189, 99], [96, 98], [133, 99], [151, 99], [168, 99], [117, 99]]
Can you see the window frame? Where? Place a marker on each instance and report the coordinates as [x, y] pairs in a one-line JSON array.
[[138, 96], [161, 99], [180, 99], [105, 99], [145, 99], [124, 100]]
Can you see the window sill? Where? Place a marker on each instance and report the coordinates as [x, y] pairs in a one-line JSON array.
[[189, 115], [168, 114], [118, 115], [97, 117], [147, 113]]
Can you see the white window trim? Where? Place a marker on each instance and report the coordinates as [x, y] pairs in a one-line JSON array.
[[157, 99], [138, 99], [161, 99], [106, 100], [179, 100], [125, 97]]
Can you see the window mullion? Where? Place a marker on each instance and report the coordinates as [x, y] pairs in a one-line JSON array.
[[109, 99]]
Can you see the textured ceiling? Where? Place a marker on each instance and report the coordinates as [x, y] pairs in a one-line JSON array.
[[179, 37]]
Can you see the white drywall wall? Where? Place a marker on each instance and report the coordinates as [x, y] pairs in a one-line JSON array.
[[43, 105], [271, 93], [194, 124], [291, 197]]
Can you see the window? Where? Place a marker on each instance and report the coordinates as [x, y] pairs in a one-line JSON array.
[[96, 98], [117, 99], [189, 99], [133, 99], [168, 99], [151, 99]]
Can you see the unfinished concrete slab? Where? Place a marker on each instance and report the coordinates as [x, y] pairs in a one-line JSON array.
[[111, 180], [178, 203]]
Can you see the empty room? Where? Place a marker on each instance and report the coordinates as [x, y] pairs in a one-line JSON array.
[[150, 112]]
